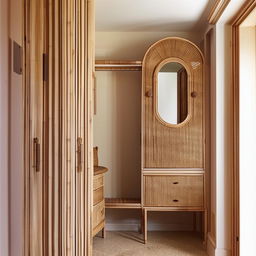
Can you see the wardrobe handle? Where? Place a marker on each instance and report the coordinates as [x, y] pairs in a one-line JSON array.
[[176, 182], [36, 155], [79, 154], [175, 200]]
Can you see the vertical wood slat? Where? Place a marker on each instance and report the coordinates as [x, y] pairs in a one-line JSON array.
[[26, 106], [34, 85], [89, 119]]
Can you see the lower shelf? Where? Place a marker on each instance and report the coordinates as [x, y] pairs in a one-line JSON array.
[[123, 203]]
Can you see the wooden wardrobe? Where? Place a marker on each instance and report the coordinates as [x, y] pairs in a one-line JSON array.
[[58, 153], [173, 162]]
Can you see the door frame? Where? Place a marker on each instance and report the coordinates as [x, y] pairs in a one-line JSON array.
[[241, 15]]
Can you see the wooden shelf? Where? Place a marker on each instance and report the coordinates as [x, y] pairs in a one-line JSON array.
[[118, 65], [123, 203]]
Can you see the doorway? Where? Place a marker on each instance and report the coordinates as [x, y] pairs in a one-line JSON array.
[[244, 72]]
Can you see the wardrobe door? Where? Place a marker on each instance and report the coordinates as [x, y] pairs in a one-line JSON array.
[[59, 58], [84, 112], [34, 166]]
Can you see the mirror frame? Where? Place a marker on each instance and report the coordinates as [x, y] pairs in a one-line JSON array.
[[189, 84]]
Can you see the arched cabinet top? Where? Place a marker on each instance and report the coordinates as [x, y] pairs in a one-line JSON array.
[[166, 144], [174, 47]]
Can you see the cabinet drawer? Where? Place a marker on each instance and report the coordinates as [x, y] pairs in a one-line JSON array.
[[98, 181], [174, 190], [98, 195], [98, 213]]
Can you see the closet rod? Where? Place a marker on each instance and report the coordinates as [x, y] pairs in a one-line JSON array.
[[117, 65]]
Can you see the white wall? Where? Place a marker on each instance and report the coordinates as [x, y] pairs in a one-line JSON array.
[[224, 138], [16, 138], [4, 87], [247, 140]]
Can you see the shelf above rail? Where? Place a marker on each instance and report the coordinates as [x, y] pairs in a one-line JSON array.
[[123, 203], [118, 65]]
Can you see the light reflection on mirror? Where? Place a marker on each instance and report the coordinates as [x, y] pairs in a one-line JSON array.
[[172, 93]]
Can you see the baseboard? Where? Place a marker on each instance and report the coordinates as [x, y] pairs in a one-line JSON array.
[[211, 246], [213, 251], [151, 227], [222, 252]]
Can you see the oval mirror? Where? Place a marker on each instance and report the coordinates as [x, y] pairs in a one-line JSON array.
[[172, 93]]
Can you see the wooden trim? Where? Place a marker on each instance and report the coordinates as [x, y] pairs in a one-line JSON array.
[[173, 169], [197, 172], [243, 13], [26, 132], [211, 245], [174, 209], [217, 10], [235, 178], [118, 65], [240, 16], [122, 203]]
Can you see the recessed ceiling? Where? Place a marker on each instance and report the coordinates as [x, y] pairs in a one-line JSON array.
[[151, 15]]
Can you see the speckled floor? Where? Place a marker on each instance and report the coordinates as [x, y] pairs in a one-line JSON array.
[[159, 244]]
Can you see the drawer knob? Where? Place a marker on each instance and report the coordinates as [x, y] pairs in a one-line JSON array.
[[176, 182], [175, 200], [149, 94]]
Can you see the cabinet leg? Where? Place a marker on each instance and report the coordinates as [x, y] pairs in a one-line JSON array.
[[205, 226], [145, 225], [141, 222], [103, 233]]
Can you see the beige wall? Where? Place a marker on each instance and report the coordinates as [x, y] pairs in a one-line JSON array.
[[117, 127], [11, 125], [131, 45], [117, 131], [210, 88], [4, 87], [16, 138]]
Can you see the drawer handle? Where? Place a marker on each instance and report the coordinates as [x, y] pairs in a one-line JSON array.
[[79, 155], [175, 200], [176, 182]]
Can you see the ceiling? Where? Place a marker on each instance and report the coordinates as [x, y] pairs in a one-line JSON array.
[[151, 15]]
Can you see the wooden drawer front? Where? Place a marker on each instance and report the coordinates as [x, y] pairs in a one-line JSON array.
[[98, 181], [98, 213], [174, 190], [98, 195]]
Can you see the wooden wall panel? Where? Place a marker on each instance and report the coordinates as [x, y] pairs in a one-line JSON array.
[[172, 147]]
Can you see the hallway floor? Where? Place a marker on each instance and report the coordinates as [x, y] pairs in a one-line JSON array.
[[159, 244]]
